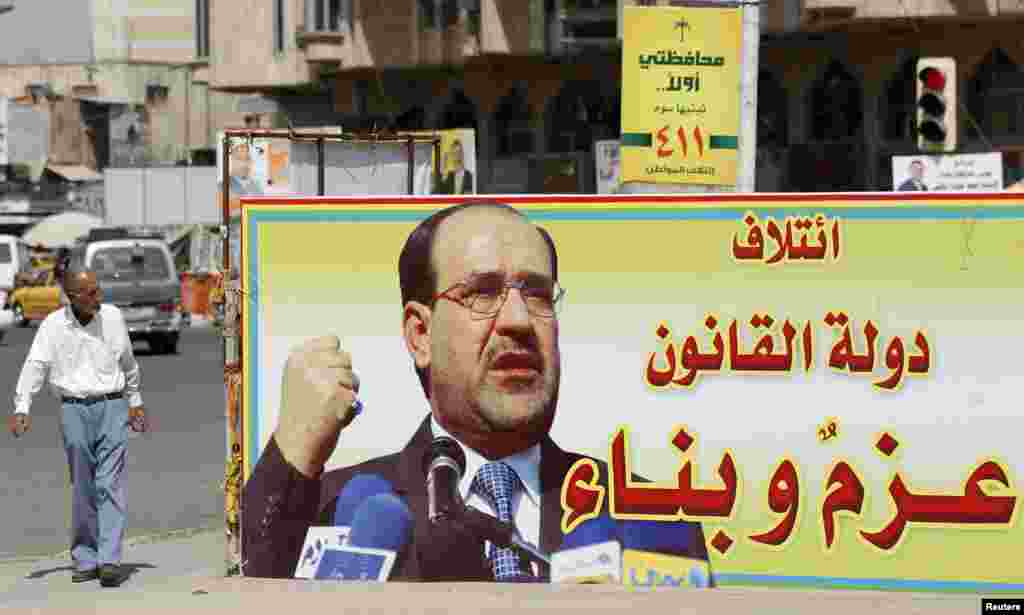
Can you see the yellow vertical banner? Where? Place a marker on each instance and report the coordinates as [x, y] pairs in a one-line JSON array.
[[681, 94], [457, 165], [458, 161]]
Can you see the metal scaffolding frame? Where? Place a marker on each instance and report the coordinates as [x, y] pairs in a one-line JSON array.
[[233, 347]]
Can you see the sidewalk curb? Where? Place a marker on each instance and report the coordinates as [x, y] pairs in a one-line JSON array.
[[156, 537], [200, 322]]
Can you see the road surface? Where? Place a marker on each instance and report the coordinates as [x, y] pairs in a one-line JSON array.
[[173, 473]]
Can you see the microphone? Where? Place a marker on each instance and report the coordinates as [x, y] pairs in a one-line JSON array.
[[356, 491], [382, 522], [664, 554], [450, 552], [381, 527], [592, 531], [591, 553], [503, 535], [671, 538], [635, 553], [444, 464], [647, 569]]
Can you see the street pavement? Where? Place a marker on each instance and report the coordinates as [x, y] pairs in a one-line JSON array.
[[163, 570], [169, 585], [173, 473]]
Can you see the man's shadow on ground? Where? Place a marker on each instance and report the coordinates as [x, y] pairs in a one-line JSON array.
[[127, 571]]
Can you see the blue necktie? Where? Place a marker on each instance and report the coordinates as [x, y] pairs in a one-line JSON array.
[[498, 483]]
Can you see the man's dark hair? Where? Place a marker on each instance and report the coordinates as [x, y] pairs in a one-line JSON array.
[[416, 274], [75, 269]]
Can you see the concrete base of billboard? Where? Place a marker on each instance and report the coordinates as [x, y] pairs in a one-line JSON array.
[[239, 595]]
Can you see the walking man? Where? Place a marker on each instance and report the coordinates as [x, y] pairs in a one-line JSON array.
[[83, 352]]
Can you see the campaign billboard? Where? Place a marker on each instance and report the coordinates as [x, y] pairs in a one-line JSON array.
[[948, 173], [681, 69], [824, 385]]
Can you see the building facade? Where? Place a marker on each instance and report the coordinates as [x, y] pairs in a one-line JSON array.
[[539, 80], [116, 77], [87, 85]]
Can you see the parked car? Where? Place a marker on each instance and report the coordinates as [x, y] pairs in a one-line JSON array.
[[137, 274], [15, 261], [35, 295], [6, 321]]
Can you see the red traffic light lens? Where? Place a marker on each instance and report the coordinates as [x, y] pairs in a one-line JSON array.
[[933, 78]]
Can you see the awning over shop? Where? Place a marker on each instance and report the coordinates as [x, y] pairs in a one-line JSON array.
[[107, 100], [75, 172], [61, 230], [257, 104]]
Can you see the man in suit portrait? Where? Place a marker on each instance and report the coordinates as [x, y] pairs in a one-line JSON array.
[[240, 172], [459, 180], [915, 182], [480, 298]]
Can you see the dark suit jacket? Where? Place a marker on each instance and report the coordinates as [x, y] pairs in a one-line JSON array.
[[910, 186], [448, 183], [279, 505]]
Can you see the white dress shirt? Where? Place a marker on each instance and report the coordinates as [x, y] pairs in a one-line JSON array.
[[525, 504], [81, 361]]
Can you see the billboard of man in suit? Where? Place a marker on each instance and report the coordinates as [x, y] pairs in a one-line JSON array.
[[914, 183], [457, 179], [480, 304]]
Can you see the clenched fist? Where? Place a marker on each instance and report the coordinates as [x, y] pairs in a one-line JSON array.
[[317, 391]]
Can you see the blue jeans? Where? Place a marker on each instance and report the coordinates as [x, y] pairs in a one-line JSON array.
[[95, 440]]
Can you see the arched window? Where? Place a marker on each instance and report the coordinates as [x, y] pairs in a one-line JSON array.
[[460, 112], [512, 124], [413, 118], [836, 109], [995, 97], [572, 116]]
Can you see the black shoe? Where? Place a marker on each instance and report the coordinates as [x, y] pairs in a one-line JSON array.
[[111, 575], [82, 576]]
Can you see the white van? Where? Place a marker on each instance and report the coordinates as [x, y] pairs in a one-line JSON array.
[[137, 274], [15, 258]]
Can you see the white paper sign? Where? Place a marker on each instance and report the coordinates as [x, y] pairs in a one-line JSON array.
[[318, 540], [606, 155], [948, 173]]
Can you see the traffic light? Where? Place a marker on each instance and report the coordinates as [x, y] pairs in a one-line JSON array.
[[936, 104]]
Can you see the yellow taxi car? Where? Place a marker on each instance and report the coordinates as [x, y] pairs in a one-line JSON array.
[[35, 297]]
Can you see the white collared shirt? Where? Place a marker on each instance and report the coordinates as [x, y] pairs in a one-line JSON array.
[[526, 503], [81, 361]]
